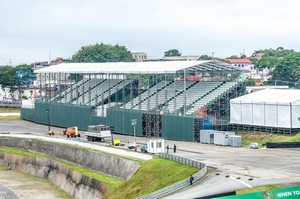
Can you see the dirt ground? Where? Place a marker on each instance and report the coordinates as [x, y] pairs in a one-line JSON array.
[[30, 187]]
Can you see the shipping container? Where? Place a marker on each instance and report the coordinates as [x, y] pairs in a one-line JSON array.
[[207, 136], [222, 137]]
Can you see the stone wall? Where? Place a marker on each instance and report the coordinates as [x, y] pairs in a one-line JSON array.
[[71, 181], [110, 165]]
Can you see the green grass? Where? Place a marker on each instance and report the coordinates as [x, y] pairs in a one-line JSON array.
[[9, 117], [257, 189], [9, 110], [110, 181], [262, 138], [153, 175]]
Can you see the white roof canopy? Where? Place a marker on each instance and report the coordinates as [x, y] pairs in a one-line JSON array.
[[138, 67], [270, 96]]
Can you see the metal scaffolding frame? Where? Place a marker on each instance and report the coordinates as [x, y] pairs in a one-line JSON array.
[[149, 93]]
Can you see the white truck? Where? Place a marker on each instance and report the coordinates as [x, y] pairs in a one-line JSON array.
[[98, 132]]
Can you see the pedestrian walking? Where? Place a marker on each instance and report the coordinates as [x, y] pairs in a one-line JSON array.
[[167, 148], [174, 148], [191, 179]]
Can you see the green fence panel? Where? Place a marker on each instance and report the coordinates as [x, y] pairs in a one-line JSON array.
[[27, 114], [70, 115], [121, 121], [96, 120], [40, 113], [61, 115], [178, 128]]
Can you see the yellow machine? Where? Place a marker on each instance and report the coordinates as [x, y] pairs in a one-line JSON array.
[[117, 142]]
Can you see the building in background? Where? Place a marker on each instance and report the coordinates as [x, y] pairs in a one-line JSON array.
[[182, 58], [242, 63], [139, 56]]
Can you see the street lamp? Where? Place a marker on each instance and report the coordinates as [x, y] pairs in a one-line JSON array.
[[48, 119], [133, 123]]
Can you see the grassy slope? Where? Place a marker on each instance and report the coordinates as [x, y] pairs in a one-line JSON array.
[[262, 138], [110, 181], [9, 110], [153, 175]]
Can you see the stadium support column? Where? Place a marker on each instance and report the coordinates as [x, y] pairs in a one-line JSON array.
[[65, 88], [90, 92], [184, 87], [131, 92], [59, 85], [175, 105], [156, 95], [82, 93], [49, 87], [123, 92], [166, 93], [40, 87], [109, 90], [148, 93], [139, 91]]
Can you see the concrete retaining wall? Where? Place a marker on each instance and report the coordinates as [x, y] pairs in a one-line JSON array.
[[71, 181], [111, 165]]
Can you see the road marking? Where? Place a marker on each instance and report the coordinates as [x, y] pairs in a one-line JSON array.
[[240, 181], [2, 197]]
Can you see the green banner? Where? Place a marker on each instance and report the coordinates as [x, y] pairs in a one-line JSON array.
[[284, 193]]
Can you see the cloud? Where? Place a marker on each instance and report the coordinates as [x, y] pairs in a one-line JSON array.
[[29, 28]]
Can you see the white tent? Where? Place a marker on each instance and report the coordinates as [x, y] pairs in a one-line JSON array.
[[279, 108]]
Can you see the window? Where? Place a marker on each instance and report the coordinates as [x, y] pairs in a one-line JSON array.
[[159, 144]]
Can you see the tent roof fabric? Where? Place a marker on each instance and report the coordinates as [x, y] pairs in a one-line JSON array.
[[138, 67], [270, 96]]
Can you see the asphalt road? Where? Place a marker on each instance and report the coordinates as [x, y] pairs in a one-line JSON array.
[[266, 166], [6, 193]]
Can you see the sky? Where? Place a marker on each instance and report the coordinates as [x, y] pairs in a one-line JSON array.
[[39, 30]]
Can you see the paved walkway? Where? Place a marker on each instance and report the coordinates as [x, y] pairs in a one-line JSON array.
[[105, 149], [6, 193]]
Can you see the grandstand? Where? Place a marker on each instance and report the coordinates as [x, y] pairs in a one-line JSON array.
[[157, 94]]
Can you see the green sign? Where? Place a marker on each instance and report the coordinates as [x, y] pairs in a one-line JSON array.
[[285, 193]]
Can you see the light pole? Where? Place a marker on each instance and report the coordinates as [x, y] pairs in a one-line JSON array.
[[48, 119], [133, 123]]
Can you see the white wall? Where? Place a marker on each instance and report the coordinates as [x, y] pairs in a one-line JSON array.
[[265, 114]]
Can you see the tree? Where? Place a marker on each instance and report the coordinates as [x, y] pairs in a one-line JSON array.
[[171, 53], [16, 78], [233, 57], [267, 62], [7, 77], [205, 57], [102, 53], [288, 69], [250, 81], [270, 57]]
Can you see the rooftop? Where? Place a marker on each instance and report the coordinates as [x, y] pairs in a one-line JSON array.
[[138, 67], [270, 96]]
